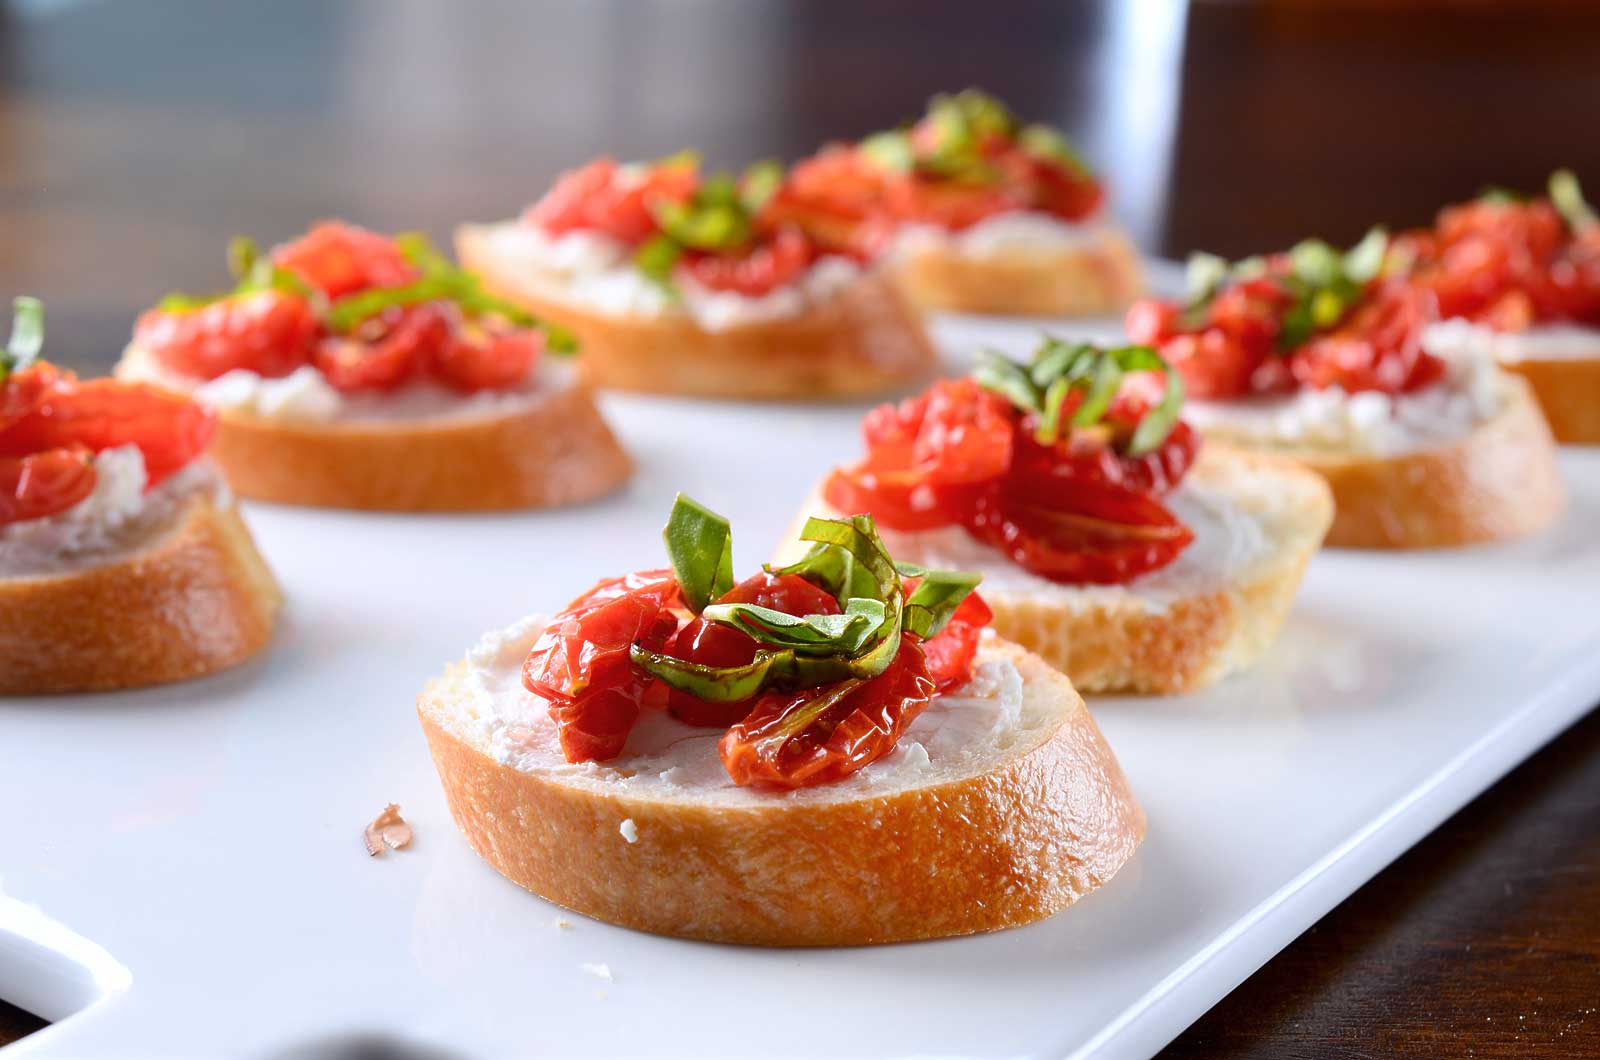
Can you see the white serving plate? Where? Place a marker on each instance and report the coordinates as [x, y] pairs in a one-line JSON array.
[[182, 873]]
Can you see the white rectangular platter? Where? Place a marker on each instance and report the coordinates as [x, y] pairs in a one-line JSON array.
[[182, 873]]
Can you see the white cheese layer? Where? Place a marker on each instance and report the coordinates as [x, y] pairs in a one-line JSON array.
[[667, 758], [1453, 339], [1227, 540], [1366, 422], [305, 396], [1017, 232], [592, 271], [117, 518]]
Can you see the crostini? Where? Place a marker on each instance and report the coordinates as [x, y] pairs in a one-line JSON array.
[[1316, 355], [354, 370], [834, 752], [683, 284], [985, 214], [1518, 281], [123, 561], [1107, 542]]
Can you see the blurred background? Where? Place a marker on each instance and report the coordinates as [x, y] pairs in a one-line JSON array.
[[136, 136]]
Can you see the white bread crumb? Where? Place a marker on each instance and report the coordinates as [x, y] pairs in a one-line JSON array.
[[599, 971], [629, 830]]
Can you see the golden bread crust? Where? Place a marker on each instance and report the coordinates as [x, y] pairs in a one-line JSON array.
[[1569, 393], [980, 853], [1089, 280], [196, 600]]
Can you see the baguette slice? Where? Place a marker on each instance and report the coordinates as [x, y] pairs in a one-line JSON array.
[[1568, 389], [554, 450], [1108, 639], [1496, 481], [1093, 279], [865, 341], [1042, 818], [194, 599]]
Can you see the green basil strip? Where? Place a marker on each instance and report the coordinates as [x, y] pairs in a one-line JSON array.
[[935, 599], [1204, 276], [700, 549], [803, 716], [350, 312], [841, 634], [27, 335], [656, 258], [835, 570], [889, 151], [1054, 359], [1364, 261], [760, 182], [1103, 388], [715, 684], [1159, 421], [1007, 378], [858, 535], [910, 570], [1567, 197]]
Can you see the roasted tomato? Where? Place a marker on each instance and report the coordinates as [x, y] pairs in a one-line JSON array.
[[1074, 531], [1097, 455], [1233, 353], [387, 350], [836, 198], [484, 357], [580, 664], [756, 269], [44, 484], [717, 645], [268, 332], [950, 204], [953, 649], [103, 414], [340, 259], [1379, 347], [818, 735], [614, 200]]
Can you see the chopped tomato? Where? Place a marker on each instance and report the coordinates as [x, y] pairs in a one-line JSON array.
[[386, 351], [836, 199], [1089, 455], [714, 644], [43, 484], [950, 204], [480, 358], [170, 430], [898, 500], [268, 332], [580, 663], [614, 200], [756, 269], [1074, 531], [1379, 347], [952, 651], [818, 735], [340, 259]]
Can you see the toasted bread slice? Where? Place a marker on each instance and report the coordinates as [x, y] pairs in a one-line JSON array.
[[1498, 480], [554, 449], [1090, 279], [1002, 836], [1568, 390], [1214, 611], [192, 599], [863, 341]]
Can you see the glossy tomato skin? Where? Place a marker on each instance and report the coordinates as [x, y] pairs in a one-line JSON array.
[[339, 259], [484, 358], [952, 651], [713, 644], [863, 727], [43, 484], [836, 198], [170, 430], [268, 332], [580, 663], [387, 351], [1088, 458], [1379, 347], [757, 269], [612, 200]]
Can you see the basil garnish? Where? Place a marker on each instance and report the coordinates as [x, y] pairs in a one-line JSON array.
[[719, 216], [27, 335], [700, 549], [1059, 368], [801, 651], [1567, 197]]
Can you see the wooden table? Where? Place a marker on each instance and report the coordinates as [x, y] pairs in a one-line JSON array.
[[136, 137]]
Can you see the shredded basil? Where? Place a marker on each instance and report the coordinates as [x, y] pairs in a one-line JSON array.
[[844, 633], [27, 336], [935, 599], [700, 549], [1567, 197]]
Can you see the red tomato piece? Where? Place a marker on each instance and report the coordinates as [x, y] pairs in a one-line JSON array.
[[339, 259], [796, 739], [169, 429], [897, 500], [1094, 455], [386, 351], [478, 358], [1077, 532], [1378, 347], [44, 484], [614, 200], [756, 269], [713, 644], [269, 332], [952, 651], [581, 665], [836, 199], [965, 434]]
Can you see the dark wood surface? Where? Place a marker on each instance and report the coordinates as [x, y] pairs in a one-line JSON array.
[[136, 137]]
